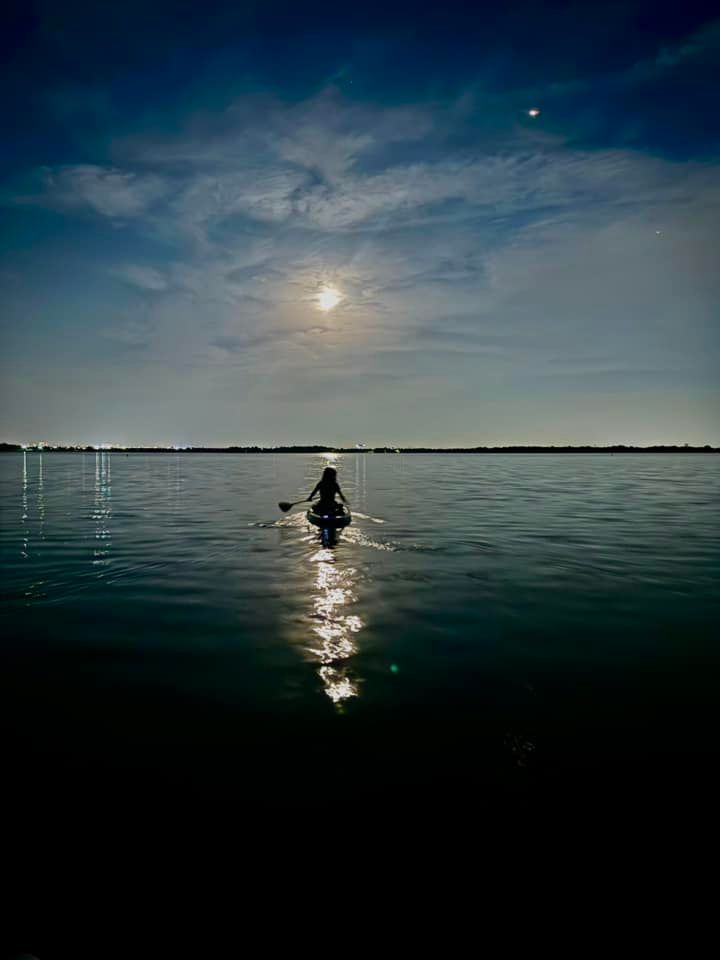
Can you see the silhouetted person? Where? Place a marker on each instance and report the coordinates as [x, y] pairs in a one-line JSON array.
[[327, 487]]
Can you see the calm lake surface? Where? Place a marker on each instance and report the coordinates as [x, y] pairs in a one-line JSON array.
[[489, 627]]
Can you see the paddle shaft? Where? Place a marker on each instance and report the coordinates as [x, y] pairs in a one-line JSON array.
[[285, 506]]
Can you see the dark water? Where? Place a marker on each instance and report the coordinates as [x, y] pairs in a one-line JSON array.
[[490, 629]]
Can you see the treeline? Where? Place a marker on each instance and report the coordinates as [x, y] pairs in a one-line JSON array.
[[616, 448]]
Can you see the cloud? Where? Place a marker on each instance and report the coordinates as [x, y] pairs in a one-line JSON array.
[[146, 278], [500, 185], [109, 192], [260, 230], [238, 344], [331, 166], [328, 165], [701, 45], [459, 260], [131, 333]]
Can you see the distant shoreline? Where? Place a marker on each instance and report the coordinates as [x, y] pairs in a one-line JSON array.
[[618, 448]]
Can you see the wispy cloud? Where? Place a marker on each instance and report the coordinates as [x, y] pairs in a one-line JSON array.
[[326, 166], [145, 278], [109, 192], [700, 46]]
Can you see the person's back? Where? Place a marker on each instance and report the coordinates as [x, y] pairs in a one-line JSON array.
[[327, 487]]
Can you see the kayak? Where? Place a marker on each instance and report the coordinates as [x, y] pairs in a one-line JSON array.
[[329, 521]]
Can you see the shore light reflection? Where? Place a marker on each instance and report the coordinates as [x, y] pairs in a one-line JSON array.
[[102, 509]]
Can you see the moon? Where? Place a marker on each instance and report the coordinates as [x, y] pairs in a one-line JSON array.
[[328, 298]]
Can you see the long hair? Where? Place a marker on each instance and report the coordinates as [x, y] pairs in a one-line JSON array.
[[329, 473]]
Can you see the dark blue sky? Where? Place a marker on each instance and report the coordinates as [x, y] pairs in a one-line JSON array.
[[185, 186]]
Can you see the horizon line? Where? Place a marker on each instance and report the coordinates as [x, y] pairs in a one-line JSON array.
[[362, 448]]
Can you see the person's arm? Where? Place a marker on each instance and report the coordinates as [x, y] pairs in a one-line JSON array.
[[339, 491], [315, 490]]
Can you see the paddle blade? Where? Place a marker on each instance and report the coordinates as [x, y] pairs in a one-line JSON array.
[[285, 506]]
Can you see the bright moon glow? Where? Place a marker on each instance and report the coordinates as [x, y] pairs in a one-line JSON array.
[[328, 298], [534, 112]]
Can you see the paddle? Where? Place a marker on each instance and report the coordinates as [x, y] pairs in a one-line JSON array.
[[285, 506]]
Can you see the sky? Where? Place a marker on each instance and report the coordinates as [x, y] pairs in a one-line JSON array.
[[268, 223]]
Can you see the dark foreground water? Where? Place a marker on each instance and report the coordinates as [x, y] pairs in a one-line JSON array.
[[496, 629]]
